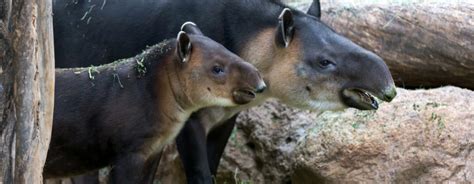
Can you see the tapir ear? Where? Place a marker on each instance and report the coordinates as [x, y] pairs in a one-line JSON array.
[[315, 9], [191, 28], [285, 28], [183, 46]]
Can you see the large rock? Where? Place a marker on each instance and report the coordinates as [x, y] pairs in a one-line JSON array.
[[422, 136]]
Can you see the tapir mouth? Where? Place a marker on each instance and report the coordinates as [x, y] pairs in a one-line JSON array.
[[243, 96], [360, 99]]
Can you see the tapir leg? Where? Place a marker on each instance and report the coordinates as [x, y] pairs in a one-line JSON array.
[[191, 143], [128, 169], [88, 178], [150, 168], [216, 142]]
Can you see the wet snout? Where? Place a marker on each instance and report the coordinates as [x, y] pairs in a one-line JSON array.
[[248, 83]]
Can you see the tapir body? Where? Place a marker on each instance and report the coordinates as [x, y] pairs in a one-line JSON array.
[[305, 63], [122, 114]]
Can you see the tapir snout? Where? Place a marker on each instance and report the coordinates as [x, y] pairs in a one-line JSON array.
[[249, 82], [371, 78]]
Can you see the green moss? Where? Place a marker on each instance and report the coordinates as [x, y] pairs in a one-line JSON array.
[[91, 70], [434, 105], [155, 50], [140, 67], [434, 116], [355, 125], [441, 124], [438, 119]]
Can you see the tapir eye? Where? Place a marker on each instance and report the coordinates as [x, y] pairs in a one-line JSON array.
[[325, 63], [217, 70]]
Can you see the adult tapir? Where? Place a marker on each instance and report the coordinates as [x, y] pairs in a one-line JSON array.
[[304, 62]]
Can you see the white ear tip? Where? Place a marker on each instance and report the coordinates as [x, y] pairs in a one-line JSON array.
[[186, 23], [283, 12], [181, 33]]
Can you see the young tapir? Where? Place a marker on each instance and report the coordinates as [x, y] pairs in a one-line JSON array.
[[305, 63], [121, 114]]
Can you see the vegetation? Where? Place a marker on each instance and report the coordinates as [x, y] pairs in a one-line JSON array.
[[141, 69]]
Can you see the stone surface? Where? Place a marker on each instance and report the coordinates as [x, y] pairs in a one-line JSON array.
[[423, 136]]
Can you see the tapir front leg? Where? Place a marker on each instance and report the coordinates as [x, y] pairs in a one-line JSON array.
[[128, 169], [216, 142], [150, 168], [191, 143], [88, 178]]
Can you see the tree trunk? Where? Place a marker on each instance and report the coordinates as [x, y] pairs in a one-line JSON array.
[[424, 45], [26, 88]]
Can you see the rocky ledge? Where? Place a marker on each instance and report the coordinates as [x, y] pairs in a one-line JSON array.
[[423, 136]]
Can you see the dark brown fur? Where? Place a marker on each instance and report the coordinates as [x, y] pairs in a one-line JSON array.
[[121, 114]]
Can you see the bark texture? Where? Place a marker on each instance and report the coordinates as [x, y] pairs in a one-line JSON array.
[[26, 88], [424, 45]]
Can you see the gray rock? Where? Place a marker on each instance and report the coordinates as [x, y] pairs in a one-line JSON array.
[[422, 136]]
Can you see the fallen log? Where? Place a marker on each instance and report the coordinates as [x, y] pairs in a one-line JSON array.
[[424, 45]]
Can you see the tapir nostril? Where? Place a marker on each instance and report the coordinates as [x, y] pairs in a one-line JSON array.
[[261, 88], [390, 94]]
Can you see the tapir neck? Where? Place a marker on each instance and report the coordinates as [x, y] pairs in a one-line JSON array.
[[174, 104], [242, 32], [233, 24]]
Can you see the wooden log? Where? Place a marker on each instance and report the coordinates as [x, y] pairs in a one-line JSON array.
[[424, 45], [26, 88]]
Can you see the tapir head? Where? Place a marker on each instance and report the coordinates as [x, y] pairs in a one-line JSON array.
[[213, 75], [322, 70]]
